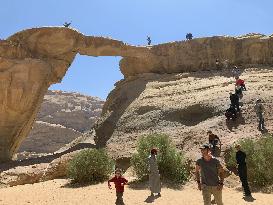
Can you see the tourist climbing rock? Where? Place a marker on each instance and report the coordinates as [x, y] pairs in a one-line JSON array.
[[231, 113], [235, 71], [240, 82], [259, 109], [119, 182], [214, 140], [209, 176], [234, 101], [154, 176], [242, 169]]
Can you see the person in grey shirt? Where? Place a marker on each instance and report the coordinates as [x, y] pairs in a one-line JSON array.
[[209, 176]]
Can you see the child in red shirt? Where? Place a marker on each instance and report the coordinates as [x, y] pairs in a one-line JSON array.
[[119, 182]]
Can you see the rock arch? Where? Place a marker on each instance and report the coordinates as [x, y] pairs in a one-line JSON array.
[[33, 59]]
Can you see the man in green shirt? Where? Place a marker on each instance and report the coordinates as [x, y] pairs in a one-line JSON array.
[[209, 176]]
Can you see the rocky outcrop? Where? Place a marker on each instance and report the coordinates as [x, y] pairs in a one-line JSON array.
[[70, 109], [183, 106], [33, 59], [201, 54]]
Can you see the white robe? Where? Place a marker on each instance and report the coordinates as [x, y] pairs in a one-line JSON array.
[[154, 176]]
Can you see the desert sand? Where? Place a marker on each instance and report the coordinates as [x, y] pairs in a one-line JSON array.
[[59, 192]]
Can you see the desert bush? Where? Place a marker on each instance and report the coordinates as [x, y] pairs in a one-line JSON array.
[[259, 160], [171, 163], [90, 166]]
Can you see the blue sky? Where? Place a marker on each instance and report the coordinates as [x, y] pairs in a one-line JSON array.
[[131, 21]]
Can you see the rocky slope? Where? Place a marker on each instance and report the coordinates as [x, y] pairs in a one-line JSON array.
[[184, 106], [63, 117], [33, 59]]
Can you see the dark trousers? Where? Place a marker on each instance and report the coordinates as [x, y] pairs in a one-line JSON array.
[[242, 170], [261, 122], [119, 200]]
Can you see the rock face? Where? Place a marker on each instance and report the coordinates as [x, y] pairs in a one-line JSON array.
[[32, 60], [63, 117], [184, 106]]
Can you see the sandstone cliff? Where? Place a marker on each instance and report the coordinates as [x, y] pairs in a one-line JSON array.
[[32, 60]]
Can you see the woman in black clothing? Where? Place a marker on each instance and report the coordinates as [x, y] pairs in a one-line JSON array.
[[242, 170]]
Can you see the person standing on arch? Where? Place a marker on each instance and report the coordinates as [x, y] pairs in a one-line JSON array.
[[154, 176], [209, 175]]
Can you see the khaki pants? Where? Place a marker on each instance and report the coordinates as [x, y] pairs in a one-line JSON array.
[[207, 191]]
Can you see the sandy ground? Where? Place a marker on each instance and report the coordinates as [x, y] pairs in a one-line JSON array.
[[57, 192]]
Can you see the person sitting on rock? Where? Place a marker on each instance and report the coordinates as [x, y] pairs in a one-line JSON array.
[[234, 101], [214, 140], [240, 82], [231, 113]]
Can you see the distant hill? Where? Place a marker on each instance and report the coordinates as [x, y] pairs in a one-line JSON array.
[[63, 117]]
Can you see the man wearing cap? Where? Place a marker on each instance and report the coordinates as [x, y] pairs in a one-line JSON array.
[[259, 109], [242, 169], [209, 176]]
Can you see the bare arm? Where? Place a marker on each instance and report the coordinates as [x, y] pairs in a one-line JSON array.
[[197, 176], [197, 173], [221, 173]]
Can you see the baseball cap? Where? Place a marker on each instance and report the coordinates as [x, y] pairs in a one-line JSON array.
[[205, 146]]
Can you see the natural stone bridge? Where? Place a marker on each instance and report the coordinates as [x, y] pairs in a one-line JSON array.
[[33, 59]]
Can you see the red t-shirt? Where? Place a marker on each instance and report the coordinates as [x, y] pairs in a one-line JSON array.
[[117, 182], [240, 82]]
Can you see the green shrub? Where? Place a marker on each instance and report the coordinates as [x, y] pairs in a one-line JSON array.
[[90, 166], [171, 163], [259, 160]]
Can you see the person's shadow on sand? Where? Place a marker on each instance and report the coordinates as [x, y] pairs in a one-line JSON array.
[[150, 199], [249, 198]]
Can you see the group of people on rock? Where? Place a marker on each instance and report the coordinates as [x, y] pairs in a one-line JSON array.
[[234, 108]]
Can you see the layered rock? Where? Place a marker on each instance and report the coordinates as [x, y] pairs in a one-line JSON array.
[[63, 117], [201, 54], [183, 106], [32, 60]]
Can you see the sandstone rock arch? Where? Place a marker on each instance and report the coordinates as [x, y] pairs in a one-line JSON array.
[[33, 59]]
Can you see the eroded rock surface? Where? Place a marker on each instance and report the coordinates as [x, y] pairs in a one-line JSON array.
[[184, 106]]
